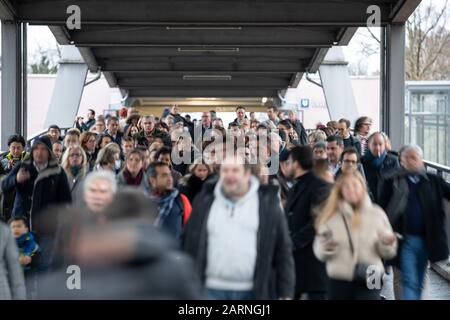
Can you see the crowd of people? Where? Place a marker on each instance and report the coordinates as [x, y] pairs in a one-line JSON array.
[[171, 207]]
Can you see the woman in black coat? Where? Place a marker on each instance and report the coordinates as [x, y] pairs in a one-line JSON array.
[[192, 183]]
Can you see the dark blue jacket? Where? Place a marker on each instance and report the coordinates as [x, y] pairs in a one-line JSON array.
[[50, 186]]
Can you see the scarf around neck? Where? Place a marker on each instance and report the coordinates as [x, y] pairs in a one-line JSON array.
[[376, 162], [165, 204], [133, 181]]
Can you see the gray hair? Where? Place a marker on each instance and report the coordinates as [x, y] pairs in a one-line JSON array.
[[101, 174], [412, 146], [317, 135]]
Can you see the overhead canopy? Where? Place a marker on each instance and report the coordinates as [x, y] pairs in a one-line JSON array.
[[195, 48]]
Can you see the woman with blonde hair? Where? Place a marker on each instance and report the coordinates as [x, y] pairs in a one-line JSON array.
[[74, 162], [72, 137], [353, 235]]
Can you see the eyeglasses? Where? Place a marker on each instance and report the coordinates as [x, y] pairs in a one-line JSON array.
[[367, 124]]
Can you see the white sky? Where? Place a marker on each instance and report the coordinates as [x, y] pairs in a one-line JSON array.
[[353, 50]]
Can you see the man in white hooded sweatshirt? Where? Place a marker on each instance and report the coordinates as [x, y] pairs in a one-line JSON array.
[[238, 236]]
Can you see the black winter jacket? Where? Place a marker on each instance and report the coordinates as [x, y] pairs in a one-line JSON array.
[[48, 187], [432, 191], [274, 249]]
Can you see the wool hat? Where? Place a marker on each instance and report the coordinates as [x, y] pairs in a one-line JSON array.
[[45, 140]]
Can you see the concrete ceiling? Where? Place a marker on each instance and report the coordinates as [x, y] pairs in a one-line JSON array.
[[197, 48]]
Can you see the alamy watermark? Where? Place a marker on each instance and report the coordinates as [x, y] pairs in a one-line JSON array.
[[73, 281], [73, 22]]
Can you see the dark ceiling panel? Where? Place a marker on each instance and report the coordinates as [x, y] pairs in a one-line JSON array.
[[260, 46], [211, 51], [316, 12], [233, 37]]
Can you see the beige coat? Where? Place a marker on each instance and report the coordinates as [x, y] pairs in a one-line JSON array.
[[369, 249]]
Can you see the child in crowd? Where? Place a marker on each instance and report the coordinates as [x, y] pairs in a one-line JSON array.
[[28, 251]]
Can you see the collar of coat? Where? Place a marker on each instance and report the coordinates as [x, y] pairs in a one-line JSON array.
[[22, 156]]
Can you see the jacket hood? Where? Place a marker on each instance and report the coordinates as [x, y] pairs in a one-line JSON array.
[[52, 161], [254, 186]]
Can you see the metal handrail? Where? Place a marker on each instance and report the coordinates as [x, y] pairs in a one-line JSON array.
[[440, 169]]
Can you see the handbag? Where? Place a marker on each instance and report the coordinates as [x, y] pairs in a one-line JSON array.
[[360, 271]]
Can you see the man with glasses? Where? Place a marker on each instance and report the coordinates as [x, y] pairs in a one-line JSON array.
[[362, 132], [350, 163]]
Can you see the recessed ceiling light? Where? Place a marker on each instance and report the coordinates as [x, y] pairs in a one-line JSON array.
[[221, 50], [218, 77], [203, 28]]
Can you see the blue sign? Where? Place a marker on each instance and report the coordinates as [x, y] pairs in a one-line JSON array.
[[304, 103]]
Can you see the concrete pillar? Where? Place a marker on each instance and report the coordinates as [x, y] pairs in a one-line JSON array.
[[393, 84], [14, 81], [337, 87], [68, 89]]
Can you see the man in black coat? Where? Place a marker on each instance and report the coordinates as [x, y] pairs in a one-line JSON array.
[[112, 125], [377, 163], [298, 127], [347, 137], [238, 237], [308, 192], [413, 201], [39, 182]]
